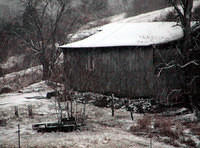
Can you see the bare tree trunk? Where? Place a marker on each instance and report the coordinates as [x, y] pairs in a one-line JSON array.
[[46, 71], [187, 26], [187, 15], [184, 11]]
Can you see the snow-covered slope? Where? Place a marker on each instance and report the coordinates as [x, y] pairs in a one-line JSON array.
[[158, 15], [20, 79]]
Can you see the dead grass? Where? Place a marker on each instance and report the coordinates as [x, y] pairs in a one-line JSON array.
[[145, 122], [163, 127], [194, 127], [167, 127], [142, 126]]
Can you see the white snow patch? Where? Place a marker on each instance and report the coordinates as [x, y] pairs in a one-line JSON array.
[[34, 93]]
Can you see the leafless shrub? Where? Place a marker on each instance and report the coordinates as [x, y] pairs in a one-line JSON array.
[[65, 100], [143, 125], [164, 127], [168, 127], [145, 122]]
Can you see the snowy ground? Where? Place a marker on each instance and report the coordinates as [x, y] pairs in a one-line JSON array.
[[101, 131]]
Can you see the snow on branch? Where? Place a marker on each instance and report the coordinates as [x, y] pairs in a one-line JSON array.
[[193, 79], [167, 67], [172, 92], [189, 63]]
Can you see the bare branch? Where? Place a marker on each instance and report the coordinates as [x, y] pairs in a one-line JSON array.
[[179, 52], [59, 15], [172, 92], [194, 62], [44, 10], [167, 67], [193, 80], [29, 43]]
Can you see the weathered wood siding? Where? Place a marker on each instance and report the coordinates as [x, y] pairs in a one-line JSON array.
[[124, 71]]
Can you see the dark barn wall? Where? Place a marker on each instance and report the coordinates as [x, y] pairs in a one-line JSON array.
[[124, 71]]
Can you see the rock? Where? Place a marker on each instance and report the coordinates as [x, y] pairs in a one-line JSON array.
[[102, 101], [6, 89], [52, 94], [20, 91]]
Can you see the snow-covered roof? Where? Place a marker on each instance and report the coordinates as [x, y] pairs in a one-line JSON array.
[[131, 34]]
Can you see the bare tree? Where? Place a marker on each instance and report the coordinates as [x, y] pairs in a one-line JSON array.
[[95, 9], [184, 11], [184, 61], [44, 27]]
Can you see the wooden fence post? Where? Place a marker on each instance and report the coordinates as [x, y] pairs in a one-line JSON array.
[[30, 111], [19, 135], [16, 111], [131, 114], [112, 106]]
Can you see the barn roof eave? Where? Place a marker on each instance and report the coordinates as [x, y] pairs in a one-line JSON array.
[[149, 45], [131, 34]]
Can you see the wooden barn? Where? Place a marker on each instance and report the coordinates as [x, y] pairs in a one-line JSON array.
[[122, 58]]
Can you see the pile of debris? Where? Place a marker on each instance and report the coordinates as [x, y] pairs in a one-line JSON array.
[[135, 105], [139, 105]]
